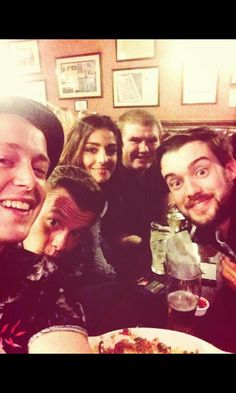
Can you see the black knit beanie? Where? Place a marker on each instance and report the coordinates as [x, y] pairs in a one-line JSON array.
[[40, 117]]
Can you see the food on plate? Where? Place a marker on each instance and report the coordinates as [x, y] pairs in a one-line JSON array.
[[126, 341]]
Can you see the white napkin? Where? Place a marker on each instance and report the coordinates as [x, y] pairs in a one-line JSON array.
[[183, 258]]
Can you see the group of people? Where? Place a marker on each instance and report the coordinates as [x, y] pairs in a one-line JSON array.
[[35, 315], [76, 215]]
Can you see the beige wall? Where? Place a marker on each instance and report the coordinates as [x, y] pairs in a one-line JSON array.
[[168, 59]]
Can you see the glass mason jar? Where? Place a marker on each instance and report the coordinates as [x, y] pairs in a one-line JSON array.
[[158, 244]]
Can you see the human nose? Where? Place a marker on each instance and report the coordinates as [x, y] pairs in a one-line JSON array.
[[24, 176], [191, 187], [60, 240], [143, 147], [102, 156]]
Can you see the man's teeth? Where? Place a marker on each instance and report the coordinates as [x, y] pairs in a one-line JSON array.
[[16, 205]]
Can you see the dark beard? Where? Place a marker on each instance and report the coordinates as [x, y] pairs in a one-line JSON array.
[[223, 213]]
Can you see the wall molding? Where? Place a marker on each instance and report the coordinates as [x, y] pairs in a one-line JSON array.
[[227, 126]]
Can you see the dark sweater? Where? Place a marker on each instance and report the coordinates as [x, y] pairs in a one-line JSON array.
[[139, 200]]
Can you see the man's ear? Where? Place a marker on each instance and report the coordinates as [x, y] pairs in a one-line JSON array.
[[231, 169]]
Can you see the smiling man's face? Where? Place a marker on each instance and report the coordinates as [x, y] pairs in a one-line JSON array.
[[200, 185], [139, 145], [23, 168]]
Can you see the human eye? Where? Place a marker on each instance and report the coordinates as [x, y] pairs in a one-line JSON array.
[[174, 184], [79, 232], [152, 141], [6, 162], [76, 233], [135, 140], [53, 222], [40, 172], [201, 172], [90, 149], [111, 151]]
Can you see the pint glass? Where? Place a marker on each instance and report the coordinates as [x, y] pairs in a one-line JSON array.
[[183, 292]]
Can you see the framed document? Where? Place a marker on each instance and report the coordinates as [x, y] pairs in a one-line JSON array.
[[79, 76], [199, 83], [134, 49], [136, 87], [25, 56], [81, 105], [35, 90]]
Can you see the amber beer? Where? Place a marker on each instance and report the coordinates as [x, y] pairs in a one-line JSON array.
[[181, 310]]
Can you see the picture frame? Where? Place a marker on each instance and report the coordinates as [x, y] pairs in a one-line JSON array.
[[79, 76], [199, 83], [136, 87], [233, 75], [135, 49], [232, 96], [35, 90], [24, 55], [81, 105]]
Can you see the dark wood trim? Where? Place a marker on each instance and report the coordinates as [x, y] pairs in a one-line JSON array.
[[228, 127], [191, 123]]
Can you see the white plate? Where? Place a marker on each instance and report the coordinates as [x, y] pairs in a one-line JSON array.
[[169, 337]]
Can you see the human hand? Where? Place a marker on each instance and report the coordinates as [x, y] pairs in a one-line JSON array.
[[131, 240], [228, 272]]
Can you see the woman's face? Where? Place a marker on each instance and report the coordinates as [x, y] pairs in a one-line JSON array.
[[99, 155]]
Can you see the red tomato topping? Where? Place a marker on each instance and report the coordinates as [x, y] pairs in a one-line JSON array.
[[126, 332], [202, 303]]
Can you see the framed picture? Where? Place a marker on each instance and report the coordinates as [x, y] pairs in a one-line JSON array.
[[232, 96], [199, 84], [134, 49], [136, 87], [24, 55], [233, 76], [36, 90], [81, 105], [79, 76]]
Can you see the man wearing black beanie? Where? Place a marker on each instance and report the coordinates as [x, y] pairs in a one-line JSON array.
[[40, 117]]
